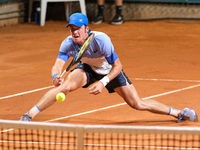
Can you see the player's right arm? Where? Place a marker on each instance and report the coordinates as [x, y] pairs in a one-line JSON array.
[[56, 72], [60, 61]]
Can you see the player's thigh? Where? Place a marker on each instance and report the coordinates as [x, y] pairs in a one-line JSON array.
[[129, 94], [76, 79]]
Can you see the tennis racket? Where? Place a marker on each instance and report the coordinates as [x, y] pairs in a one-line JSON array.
[[81, 51]]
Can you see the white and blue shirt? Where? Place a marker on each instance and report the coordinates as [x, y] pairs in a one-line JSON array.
[[99, 56]]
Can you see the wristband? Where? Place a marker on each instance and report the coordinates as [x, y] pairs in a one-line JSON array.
[[55, 75], [105, 80]]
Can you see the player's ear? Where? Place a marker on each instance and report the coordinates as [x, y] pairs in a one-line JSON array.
[[87, 28]]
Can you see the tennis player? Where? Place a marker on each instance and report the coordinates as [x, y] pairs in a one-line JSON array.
[[100, 65]]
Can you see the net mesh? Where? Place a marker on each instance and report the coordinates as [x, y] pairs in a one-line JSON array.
[[25, 139], [16, 135]]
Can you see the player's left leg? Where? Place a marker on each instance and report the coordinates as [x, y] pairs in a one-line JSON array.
[[130, 95]]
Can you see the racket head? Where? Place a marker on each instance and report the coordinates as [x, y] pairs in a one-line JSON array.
[[82, 50], [84, 47]]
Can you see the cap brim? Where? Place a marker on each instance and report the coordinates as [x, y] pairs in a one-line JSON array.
[[78, 24]]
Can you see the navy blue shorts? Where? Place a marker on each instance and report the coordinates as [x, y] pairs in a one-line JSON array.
[[120, 80]]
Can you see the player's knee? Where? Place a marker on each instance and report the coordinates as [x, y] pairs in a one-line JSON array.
[[66, 89], [137, 105]]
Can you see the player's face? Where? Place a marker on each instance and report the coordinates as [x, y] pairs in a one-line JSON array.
[[79, 34]]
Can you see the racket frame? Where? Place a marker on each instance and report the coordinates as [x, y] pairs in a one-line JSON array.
[[81, 51]]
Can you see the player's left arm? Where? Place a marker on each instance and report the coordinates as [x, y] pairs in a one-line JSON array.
[[106, 47], [116, 69], [98, 86]]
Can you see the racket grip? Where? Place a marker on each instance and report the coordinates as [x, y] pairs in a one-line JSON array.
[[63, 73]]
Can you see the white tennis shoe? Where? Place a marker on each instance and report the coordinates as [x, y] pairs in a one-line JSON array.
[[25, 117], [187, 114]]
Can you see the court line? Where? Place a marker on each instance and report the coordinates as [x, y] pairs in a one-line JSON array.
[[171, 80], [22, 93], [144, 79], [116, 105]]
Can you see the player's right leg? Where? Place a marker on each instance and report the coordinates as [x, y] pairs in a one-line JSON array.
[[76, 79]]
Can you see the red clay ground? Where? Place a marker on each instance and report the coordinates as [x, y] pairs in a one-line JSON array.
[[147, 50]]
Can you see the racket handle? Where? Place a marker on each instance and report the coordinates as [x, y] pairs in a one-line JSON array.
[[63, 73]]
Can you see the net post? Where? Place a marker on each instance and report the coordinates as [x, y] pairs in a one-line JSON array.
[[80, 138]]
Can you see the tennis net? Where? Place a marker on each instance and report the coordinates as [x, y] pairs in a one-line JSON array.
[[17, 135]]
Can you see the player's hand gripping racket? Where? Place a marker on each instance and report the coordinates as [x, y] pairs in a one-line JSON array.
[[84, 47]]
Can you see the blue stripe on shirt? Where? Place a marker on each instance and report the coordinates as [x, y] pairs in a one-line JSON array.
[[111, 59], [63, 56]]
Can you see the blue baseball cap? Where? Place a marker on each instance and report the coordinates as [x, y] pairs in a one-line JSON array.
[[78, 19]]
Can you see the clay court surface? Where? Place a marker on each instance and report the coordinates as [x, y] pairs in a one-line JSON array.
[[161, 58]]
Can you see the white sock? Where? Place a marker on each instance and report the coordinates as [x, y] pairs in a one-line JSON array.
[[173, 112], [34, 111]]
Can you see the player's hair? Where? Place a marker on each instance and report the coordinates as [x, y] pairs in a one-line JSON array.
[[89, 28]]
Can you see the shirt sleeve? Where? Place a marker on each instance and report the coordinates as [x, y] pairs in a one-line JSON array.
[[106, 47], [66, 49], [63, 56], [111, 59]]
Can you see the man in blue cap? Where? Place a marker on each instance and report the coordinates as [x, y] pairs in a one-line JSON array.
[[101, 67]]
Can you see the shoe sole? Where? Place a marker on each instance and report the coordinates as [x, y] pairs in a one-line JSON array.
[[98, 22], [117, 23]]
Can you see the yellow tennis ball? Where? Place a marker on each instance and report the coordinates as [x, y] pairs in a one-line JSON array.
[[60, 97]]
